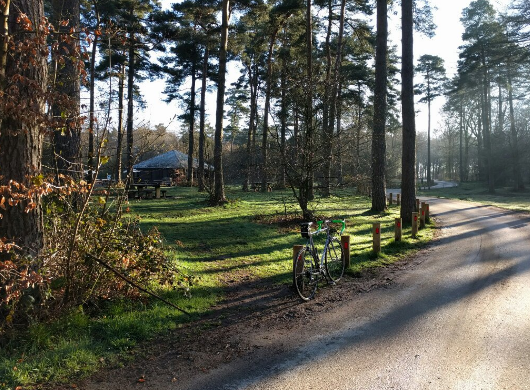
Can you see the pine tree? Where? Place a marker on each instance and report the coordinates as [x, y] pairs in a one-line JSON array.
[[21, 135], [433, 71]]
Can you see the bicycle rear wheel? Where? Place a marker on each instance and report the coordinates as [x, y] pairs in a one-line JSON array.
[[335, 261], [305, 274]]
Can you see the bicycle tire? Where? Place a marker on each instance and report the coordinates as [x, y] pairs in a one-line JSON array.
[[335, 260], [305, 274]]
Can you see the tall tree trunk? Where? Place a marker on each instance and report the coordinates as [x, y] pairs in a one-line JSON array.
[[119, 147], [67, 143], [461, 145], [332, 103], [500, 114], [306, 188], [486, 126], [202, 121], [429, 176], [264, 145], [408, 184], [191, 134], [130, 105], [358, 130], [380, 111], [219, 191], [467, 138], [20, 135], [92, 109], [518, 178], [4, 46], [480, 144], [328, 128], [253, 83], [283, 122], [340, 177]]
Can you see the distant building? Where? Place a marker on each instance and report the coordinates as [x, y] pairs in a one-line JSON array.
[[168, 167]]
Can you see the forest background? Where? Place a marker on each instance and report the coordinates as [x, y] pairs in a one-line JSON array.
[[320, 99]]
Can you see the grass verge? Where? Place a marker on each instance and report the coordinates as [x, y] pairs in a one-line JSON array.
[[249, 238]]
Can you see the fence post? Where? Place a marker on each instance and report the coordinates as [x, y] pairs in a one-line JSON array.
[[376, 237], [414, 224], [397, 230], [390, 196], [427, 218], [398, 199], [418, 205], [422, 216], [345, 241]]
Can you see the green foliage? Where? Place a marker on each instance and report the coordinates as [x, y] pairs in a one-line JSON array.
[[112, 238]]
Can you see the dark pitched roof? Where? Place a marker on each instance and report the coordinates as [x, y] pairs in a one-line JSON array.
[[170, 160]]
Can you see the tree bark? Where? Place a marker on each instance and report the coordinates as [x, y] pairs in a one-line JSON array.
[[92, 118], [4, 46], [486, 126], [67, 142], [518, 178], [219, 191], [119, 146], [429, 177], [202, 121], [191, 134], [380, 111], [253, 83], [264, 146], [130, 104], [327, 122], [283, 123], [408, 184], [21, 135], [461, 140], [306, 188]]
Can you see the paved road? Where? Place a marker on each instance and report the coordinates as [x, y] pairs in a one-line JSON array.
[[438, 184], [458, 320]]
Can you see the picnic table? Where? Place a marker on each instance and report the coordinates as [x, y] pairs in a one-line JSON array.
[[144, 191]]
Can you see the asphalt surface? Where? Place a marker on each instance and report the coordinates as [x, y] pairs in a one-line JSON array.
[[459, 320]]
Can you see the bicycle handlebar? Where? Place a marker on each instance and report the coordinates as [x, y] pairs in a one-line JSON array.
[[341, 221]]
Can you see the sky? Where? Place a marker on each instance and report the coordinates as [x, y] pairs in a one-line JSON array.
[[444, 44]]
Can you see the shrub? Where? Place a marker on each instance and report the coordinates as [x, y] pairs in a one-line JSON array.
[[89, 243]]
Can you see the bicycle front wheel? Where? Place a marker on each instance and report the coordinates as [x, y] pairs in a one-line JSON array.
[[305, 274], [335, 261]]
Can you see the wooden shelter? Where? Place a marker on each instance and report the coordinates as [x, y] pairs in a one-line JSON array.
[[170, 167]]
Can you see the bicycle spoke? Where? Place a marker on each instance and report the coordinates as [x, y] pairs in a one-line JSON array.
[[335, 260], [305, 274]]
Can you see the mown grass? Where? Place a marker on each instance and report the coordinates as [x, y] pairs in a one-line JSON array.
[[251, 237], [504, 197]]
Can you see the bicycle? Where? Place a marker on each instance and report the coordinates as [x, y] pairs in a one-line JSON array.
[[308, 267]]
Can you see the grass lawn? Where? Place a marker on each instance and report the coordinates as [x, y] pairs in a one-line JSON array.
[[504, 197], [250, 237]]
